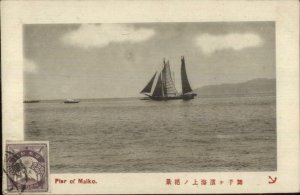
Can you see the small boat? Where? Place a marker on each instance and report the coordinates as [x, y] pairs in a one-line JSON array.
[[162, 87], [71, 101], [31, 101]]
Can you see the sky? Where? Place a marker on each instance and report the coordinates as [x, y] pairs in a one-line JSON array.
[[81, 61]]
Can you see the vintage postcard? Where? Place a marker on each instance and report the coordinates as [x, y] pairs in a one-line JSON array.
[[160, 97]]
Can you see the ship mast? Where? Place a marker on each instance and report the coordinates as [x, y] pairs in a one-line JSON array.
[[162, 85]]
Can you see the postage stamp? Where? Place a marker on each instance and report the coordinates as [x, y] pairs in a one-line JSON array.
[[27, 167]]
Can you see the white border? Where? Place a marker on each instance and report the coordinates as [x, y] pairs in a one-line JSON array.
[[284, 13]]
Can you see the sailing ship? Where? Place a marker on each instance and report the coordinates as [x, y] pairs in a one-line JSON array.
[[162, 87]]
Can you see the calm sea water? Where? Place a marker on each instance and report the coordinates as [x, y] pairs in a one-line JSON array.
[[131, 135]]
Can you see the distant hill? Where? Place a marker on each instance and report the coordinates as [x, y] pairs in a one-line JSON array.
[[255, 86]]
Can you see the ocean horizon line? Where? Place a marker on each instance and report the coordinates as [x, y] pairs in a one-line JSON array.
[[136, 97]]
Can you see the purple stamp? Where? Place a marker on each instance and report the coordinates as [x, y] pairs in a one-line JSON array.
[[27, 167]]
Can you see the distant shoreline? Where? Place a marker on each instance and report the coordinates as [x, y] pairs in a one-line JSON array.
[[199, 96], [251, 87]]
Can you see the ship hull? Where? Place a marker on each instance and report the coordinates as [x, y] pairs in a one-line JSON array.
[[180, 97], [71, 102]]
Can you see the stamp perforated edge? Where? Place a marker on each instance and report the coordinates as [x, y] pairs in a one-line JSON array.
[[4, 178]]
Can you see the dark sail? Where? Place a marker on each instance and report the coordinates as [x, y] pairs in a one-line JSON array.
[[148, 87], [158, 90], [184, 80], [161, 87]]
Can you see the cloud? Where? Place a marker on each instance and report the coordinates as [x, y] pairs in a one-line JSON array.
[[98, 36], [30, 66], [235, 41]]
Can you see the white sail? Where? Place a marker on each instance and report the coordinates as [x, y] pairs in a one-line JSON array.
[[168, 83], [162, 85]]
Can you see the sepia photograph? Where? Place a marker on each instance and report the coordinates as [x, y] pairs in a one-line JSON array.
[[152, 97]]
